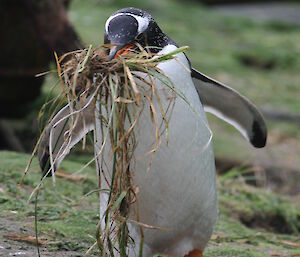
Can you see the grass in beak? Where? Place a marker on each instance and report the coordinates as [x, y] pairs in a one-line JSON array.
[[119, 90]]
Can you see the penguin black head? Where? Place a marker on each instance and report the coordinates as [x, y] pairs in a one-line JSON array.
[[131, 25]]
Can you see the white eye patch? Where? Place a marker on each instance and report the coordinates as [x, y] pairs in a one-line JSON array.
[[143, 22]]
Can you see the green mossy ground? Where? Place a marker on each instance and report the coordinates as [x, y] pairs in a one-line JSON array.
[[68, 220]]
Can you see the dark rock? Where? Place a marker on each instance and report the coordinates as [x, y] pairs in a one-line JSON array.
[[30, 32]]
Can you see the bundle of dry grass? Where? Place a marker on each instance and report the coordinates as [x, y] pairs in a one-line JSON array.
[[118, 89]]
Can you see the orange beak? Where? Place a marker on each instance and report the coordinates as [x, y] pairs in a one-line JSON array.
[[124, 50]]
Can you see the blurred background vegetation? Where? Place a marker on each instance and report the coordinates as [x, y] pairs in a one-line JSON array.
[[253, 47]]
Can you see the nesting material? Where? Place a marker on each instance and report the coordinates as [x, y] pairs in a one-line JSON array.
[[119, 92]]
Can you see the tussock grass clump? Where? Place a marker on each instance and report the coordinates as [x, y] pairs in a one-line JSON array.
[[260, 209], [116, 91]]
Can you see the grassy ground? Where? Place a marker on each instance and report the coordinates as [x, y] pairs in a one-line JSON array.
[[252, 222]]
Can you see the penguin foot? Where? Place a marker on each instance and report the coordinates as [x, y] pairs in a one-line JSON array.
[[194, 253]]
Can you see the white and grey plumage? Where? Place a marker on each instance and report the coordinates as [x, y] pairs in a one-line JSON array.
[[179, 191]]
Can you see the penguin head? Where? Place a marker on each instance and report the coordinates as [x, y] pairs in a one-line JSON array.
[[129, 26]]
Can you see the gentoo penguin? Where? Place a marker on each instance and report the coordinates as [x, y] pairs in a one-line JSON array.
[[179, 192]]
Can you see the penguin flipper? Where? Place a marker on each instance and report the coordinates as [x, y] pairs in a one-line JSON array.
[[228, 105], [64, 131]]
